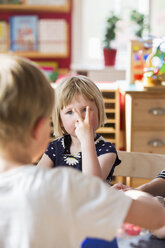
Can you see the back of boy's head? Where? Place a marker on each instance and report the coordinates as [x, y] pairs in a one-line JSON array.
[[67, 90], [25, 96]]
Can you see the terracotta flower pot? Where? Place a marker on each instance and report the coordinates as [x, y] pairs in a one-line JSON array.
[[109, 56]]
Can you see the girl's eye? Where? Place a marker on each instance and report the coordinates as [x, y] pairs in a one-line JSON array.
[[84, 109], [69, 112]]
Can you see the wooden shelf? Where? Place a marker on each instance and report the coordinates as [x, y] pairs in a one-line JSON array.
[[111, 140], [106, 130], [35, 54], [30, 8], [111, 121], [111, 130], [106, 100], [110, 110], [59, 11]]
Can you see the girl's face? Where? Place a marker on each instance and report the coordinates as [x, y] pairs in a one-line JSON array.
[[68, 116]]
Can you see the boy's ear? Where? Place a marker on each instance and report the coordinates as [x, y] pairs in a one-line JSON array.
[[36, 131]]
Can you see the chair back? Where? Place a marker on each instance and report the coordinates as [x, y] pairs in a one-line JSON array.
[[139, 165]]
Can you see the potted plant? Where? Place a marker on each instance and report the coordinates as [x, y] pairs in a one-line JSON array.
[[110, 35], [141, 23]]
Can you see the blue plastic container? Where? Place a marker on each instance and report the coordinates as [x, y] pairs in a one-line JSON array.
[[99, 243]]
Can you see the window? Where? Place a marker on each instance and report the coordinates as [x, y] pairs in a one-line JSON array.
[[89, 18]]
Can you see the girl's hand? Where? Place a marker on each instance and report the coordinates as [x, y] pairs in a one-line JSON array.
[[85, 133], [83, 127], [121, 186], [159, 233]]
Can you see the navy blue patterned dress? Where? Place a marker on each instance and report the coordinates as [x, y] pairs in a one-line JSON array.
[[59, 152]]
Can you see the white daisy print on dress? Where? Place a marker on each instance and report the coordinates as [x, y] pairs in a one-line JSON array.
[[62, 142], [71, 160]]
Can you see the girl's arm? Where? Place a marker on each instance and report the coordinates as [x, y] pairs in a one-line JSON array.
[[45, 162], [91, 164], [155, 187], [85, 134], [106, 162]]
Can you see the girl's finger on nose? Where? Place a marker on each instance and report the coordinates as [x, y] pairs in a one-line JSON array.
[[77, 114], [87, 113]]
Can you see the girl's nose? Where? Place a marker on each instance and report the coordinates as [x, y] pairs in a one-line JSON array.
[[79, 114], [76, 118], [83, 115]]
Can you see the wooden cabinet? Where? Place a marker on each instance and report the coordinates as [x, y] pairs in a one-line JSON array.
[[111, 129], [145, 121]]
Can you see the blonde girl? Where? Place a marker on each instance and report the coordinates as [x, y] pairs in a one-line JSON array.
[[79, 112]]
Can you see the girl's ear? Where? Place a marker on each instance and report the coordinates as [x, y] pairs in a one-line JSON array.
[[61, 124], [36, 130]]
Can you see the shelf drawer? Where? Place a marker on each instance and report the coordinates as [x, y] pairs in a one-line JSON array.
[[148, 141], [149, 112]]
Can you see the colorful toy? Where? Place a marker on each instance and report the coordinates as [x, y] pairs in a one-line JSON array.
[[131, 229], [154, 71], [139, 51]]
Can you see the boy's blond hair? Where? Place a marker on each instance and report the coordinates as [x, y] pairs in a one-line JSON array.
[[25, 96], [67, 90]]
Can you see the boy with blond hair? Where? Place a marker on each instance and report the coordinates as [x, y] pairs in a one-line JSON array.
[[41, 207]]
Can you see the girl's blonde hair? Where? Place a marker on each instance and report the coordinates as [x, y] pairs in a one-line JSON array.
[[67, 90], [25, 96]]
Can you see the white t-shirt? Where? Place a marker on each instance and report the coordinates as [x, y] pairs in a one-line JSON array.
[[57, 208]]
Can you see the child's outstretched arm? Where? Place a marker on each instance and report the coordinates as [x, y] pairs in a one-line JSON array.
[[45, 161], [142, 210], [155, 187], [91, 164]]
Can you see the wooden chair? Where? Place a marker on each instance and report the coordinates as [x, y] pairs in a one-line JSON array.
[[139, 165]]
